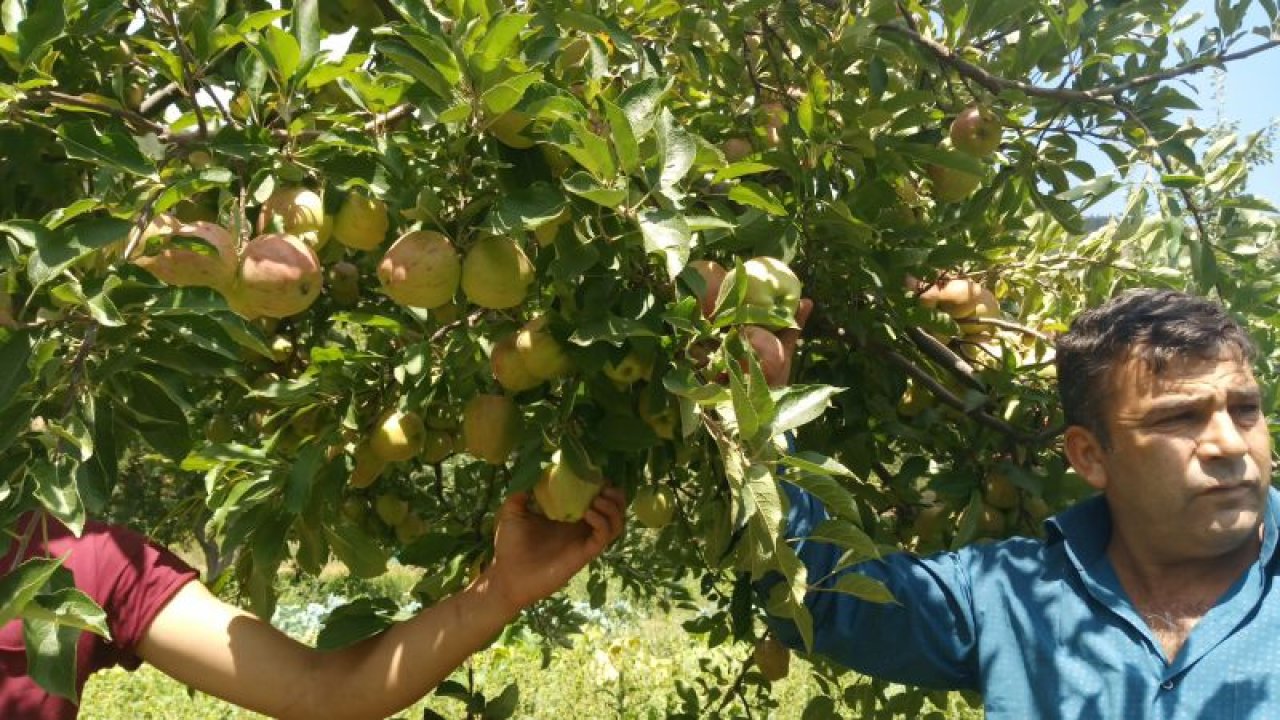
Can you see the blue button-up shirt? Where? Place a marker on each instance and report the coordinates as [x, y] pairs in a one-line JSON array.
[[1043, 629]]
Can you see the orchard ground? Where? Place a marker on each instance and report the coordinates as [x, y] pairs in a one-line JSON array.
[[628, 664]]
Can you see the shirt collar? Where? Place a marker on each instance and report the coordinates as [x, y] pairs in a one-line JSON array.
[[1085, 530]]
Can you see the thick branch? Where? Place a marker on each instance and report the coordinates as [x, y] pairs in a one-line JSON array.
[[1102, 94], [946, 396], [944, 356]]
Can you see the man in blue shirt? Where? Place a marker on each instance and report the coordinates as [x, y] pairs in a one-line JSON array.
[[1155, 598]]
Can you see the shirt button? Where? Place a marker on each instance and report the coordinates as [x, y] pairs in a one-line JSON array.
[[1167, 684]]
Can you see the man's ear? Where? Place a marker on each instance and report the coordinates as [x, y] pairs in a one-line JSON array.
[[1085, 453]]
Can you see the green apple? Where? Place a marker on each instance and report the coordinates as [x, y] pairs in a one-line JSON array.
[[635, 366], [654, 506], [770, 284], [563, 494], [541, 353], [950, 185], [391, 509]]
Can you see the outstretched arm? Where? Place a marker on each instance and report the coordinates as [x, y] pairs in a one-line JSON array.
[[224, 651]]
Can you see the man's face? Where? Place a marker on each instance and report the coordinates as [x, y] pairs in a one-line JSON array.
[[1190, 457]]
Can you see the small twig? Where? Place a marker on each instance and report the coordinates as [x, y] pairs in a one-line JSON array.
[[137, 120], [736, 688], [157, 100], [190, 69], [1005, 325]]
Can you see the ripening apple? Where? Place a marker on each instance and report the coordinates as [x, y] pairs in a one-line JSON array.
[[344, 284], [772, 658], [769, 352], [712, 274], [976, 131], [509, 368], [437, 445], [398, 436], [368, 467]]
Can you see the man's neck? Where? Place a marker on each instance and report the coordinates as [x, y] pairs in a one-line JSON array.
[[1172, 595], [1146, 572]]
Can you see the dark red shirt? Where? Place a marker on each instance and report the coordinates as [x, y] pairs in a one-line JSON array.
[[130, 577]]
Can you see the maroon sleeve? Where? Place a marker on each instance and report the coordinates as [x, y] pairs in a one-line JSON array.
[[146, 577]]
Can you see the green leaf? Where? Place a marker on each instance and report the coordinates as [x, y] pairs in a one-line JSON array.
[[739, 169], [946, 158], [499, 39], [438, 53], [51, 655], [69, 607], [641, 102], [846, 535], [624, 139], [504, 96], [42, 26], [676, 151], [281, 52], [801, 404], [306, 27], [526, 208], [612, 329], [15, 352], [210, 456], [357, 620], [864, 588], [586, 186], [834, 496], [757, 196], [1181, 181], [667, 234], [355, 549], [57, 490], [113, 148], [19, 587], [590, 150], [302, 476], [504, 705], [57, 251], [73, 430]]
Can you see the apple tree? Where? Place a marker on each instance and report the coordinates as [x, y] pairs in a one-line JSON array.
[[328, 280]]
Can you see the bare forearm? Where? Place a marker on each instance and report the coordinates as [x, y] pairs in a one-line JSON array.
[[386, 673]]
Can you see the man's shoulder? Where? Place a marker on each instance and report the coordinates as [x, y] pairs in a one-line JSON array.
[[1024, 557]]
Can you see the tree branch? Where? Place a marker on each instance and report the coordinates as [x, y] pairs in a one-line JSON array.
[[1102, 94]]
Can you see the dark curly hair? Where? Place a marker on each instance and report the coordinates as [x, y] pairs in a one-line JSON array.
[[1155, 326]]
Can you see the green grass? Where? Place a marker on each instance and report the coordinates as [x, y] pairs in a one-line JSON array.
[[625, 665]]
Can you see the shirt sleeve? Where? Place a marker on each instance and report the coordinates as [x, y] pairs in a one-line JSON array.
[[147, 576], [926, 638]]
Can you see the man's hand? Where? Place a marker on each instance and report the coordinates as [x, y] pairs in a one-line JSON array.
[[534, 557]]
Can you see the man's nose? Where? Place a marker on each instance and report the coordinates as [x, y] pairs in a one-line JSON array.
[[1222, 437]]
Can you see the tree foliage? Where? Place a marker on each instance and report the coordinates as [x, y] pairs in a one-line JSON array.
[[612, 143]]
